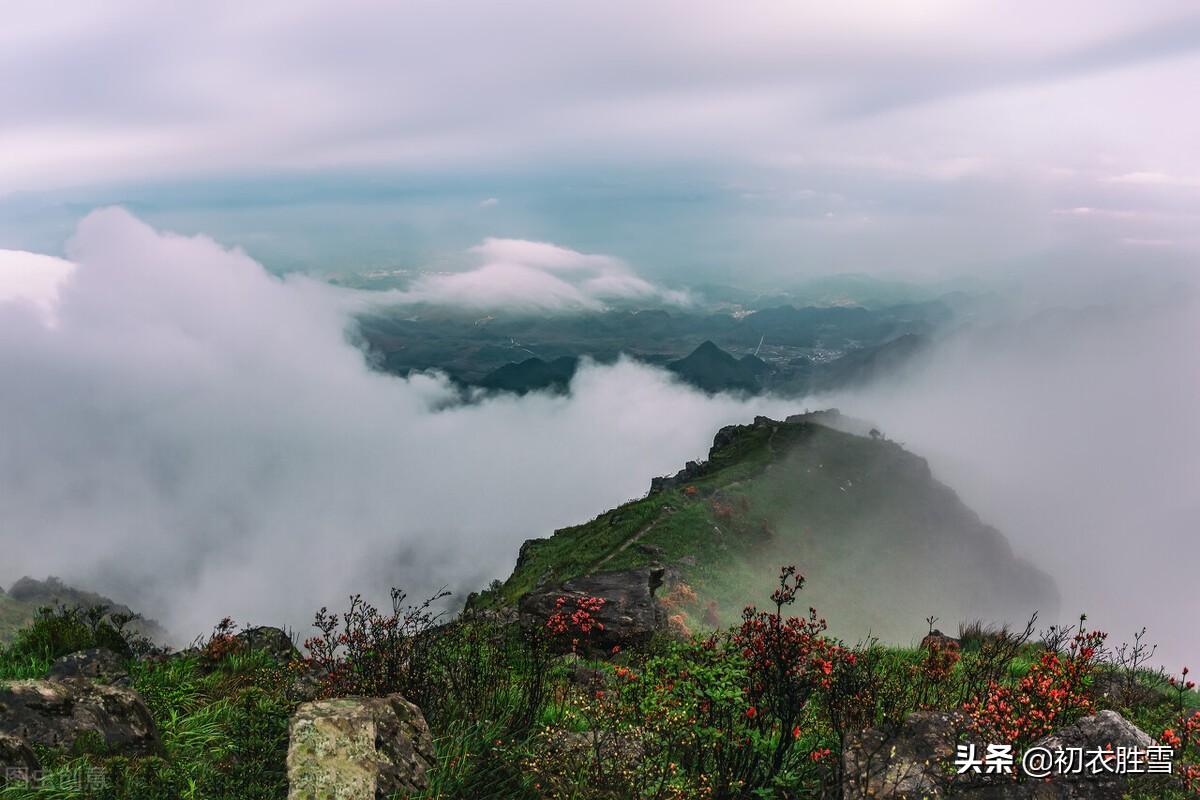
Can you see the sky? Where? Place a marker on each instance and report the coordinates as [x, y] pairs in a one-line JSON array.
[[702, 141]]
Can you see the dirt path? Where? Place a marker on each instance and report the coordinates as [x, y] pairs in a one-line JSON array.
[[630, 541]]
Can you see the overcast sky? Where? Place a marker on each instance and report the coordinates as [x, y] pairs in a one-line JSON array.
[[693, 139]]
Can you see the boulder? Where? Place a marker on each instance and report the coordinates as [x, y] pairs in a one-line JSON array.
[[1108, 728], [98, 663], [915, 761], [1118, 689], [17, 761], [275, 641], [936, 640], [358, 748], [903, 762], [55, 713], [630, 614]]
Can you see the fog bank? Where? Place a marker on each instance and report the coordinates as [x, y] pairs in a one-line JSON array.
[[1076, 433], [198, 439]]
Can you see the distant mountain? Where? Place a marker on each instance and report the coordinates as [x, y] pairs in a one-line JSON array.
[[710, 368], [23, 599], [881, 541], [796, 349], [531, 375]]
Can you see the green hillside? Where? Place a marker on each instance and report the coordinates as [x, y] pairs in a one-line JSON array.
[[882, 543]]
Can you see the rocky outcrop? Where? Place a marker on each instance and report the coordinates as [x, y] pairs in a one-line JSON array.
[[17, 760], [99, 663], [61, 713], [358, 748], [630, 614], [914, 761], [274, 641], [936, 640]]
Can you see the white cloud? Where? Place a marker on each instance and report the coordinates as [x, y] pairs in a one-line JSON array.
[[198, 438], [1154, 179], [32, 279], [534, 276], [489, 202]]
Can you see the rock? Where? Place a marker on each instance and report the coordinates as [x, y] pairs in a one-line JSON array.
[[579, 748], [937, 639], [17, 761], [903, 762], [650, 550], [691, 471], [1115, 688], [914, 761], [307, 683], [358, 748], [59, 713], [630, 614], [275, 641], [587, 677], [99, 663], [1108, 728]]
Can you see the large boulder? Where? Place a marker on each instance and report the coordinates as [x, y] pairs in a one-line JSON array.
[[903, 762], [630, 614], [98, 663], [274, 641], [915, 761], [61, 713], [17, 761], [1106, 729], [358, 748]]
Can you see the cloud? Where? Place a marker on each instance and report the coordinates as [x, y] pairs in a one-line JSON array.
[[1154, 179], [198, 438], [337, 141], [1075, 433], [534, 276], [489, 202], [32, 280]]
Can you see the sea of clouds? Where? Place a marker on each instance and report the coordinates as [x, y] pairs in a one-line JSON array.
[[200, 438]]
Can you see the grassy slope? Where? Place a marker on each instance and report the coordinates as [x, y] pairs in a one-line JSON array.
[[882, 543]]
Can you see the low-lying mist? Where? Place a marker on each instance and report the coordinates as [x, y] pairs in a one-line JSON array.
[[198, 438], [1077, 433]]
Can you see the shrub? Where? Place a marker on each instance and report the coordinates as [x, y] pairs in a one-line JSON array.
[[367, 652], [58, 631], [1055, 691]]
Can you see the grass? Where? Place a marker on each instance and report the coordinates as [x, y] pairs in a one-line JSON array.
[[224, 726], [849, 512]]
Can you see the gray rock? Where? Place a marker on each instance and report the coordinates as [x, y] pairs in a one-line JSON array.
[[60, 713], [630, 614], [99, 663], [914, 761], [17, 760], [1116, 688], [358, 748], [903, 762], [274, 641]]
